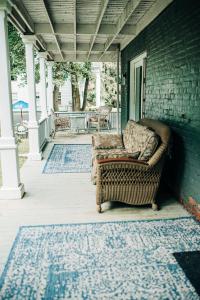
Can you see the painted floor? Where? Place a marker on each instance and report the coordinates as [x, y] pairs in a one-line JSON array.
[[66, 198]]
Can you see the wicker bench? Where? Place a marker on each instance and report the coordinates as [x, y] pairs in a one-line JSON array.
[[128, 168]]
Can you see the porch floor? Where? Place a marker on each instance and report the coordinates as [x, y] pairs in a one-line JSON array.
[[65, 198]]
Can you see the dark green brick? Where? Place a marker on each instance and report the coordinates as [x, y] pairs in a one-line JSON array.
[[172, 42]]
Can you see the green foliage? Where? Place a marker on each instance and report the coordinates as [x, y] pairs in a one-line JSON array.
[[17, 54], [61, 71], [91, 97], [109, 79]]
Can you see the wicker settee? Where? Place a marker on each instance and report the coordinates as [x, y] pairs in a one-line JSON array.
[[128, 168]]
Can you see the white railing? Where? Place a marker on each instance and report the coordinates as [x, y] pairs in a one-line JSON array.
[[88, 114], [43, 132], [50, 124]]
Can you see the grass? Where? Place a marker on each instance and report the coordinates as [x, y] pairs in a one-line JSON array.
[[23, 149]]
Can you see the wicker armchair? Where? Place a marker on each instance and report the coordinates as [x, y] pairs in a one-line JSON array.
[[60, 123], [130, 180], [100, 120]]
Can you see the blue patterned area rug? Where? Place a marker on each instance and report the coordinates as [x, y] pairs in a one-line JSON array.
[[116, 260], [69, 158]]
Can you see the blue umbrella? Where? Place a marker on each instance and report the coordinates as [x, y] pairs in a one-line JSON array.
[[20, 105]]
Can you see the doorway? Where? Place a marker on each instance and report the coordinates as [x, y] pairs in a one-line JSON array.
[[137, 87]]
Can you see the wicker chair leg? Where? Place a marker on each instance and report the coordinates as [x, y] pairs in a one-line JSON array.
[[99, 210], [155, 206]]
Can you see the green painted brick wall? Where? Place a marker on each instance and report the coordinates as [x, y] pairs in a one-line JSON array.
[[172, 42]]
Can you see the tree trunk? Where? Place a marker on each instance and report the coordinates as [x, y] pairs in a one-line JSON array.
[[85, 94], [55, 97], [76, 103]]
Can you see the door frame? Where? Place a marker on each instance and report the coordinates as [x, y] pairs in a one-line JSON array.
[[139, 61]]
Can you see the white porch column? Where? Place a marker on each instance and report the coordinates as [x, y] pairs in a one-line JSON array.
[[34, 145], [50, 105], [12, 188], [43, 86]]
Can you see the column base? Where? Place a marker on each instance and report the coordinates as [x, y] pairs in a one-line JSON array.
[[7, 193], [35, 156]]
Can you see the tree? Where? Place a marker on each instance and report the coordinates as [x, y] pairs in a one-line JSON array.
[[76, 72], [17, 53], [61, 71]]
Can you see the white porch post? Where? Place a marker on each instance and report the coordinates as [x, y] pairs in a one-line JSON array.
[[34, 145], [12, 188], [50, 105], [43, 87]]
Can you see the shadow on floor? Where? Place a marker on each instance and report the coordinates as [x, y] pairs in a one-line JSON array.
[[164, 199]]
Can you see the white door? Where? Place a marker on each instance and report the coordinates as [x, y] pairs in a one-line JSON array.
[[137, 87]]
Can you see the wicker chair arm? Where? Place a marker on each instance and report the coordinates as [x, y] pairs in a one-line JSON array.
[[124, 173], [158, 155], [122, 163]]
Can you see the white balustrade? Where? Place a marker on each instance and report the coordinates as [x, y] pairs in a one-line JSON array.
[[88, 114], [42, 132]]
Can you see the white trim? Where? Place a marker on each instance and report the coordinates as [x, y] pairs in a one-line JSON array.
[[136, 62]]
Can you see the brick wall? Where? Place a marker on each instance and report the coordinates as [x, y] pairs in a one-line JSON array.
[[172, 42]]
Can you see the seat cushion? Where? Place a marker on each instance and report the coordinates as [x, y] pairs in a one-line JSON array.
[[113, 153], [108, 141]]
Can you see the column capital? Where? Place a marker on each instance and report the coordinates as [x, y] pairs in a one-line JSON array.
[[5, 6], [29, 39], [43, 54]]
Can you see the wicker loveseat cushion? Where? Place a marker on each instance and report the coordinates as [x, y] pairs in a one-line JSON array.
[[115, 153], [108, 141], [139, 138], [150, 147]]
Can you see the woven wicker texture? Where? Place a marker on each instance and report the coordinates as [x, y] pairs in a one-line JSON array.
[[133, 182]]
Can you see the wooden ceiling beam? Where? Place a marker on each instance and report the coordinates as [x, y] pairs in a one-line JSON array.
[[126, 14], [75, 29], [83, 57], [69, 47], [82, 29], [52, 26], [147, 18], [99, 19]]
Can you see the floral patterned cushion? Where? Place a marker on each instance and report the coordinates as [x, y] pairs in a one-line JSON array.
[[114, 153], [108, 141], [139, 138], [151, 146], [133, 136]]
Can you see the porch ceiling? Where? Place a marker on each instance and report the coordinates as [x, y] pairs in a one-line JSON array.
[[80, 30]]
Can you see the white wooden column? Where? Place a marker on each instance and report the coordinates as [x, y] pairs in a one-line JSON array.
[[50, 105], [11, 188], [43, 85], [33, 127]]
